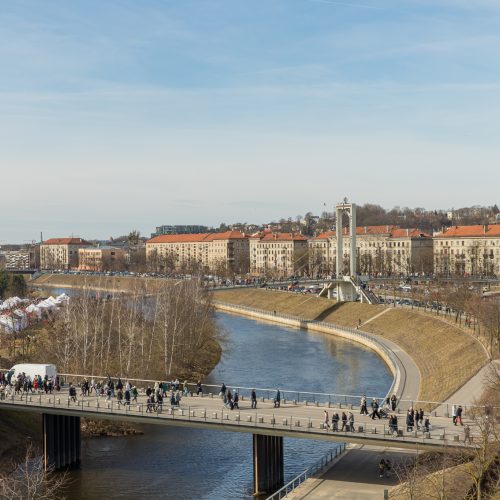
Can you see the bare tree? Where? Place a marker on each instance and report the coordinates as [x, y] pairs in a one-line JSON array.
[[29, 480]]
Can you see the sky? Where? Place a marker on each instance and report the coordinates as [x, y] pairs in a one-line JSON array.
[[124, 115]]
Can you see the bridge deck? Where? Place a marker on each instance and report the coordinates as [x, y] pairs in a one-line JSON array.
[[290, 420]]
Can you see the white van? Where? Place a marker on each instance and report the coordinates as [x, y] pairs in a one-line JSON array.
[[32, 369]]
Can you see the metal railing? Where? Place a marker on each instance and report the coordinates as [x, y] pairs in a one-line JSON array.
[[289, 423], [310, 471]]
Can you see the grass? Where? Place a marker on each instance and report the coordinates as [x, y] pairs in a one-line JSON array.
[[306, 306], [446, 356]]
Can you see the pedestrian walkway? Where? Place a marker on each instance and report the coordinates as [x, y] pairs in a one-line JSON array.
[[375, 317], [471, 390], [354, 477]]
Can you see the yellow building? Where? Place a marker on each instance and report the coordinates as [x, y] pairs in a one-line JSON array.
[[380, 250], [61, 253], [216, 252], [468, 251], [278, 254], [100, 259]]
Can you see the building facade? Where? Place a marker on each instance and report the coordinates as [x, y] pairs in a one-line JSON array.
[[61, 253], [220, 253], [278, 254], [380, 250], [105, 258], [468, 251], [180, 229]]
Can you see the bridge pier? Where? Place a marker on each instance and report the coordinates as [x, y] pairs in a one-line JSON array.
[[268, 470], [61, 440]]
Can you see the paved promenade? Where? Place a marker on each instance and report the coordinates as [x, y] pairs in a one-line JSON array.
[[354, 477]]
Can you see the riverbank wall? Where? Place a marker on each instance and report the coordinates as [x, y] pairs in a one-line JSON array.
[[370, 341]]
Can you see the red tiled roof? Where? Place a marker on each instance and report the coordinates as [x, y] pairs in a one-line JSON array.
[[283, 237], [412, 233], [470, 231], [197, 238], [66, 241], [391, 231]]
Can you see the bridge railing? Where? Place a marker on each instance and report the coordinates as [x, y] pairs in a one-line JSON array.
[[290, 396], [280, 421], [309, 472]]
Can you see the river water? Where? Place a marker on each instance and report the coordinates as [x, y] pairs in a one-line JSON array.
[[170, 462]]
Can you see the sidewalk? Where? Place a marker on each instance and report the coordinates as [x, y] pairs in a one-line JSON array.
[[354, 477]]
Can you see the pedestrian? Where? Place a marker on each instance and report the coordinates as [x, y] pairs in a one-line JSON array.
[[253, 398], [458, 418], [381, 468], [363, 410], [236, 399], [344, 421], [351, 421], [410, 421], [326, 421], [375, 413], [335, 422], [467, 438], [72, 393], [394, 401], [277, 399], [427, 424], [199, 388], [222, 392], [454, 414]]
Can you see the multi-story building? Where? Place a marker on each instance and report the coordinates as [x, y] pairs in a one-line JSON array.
[[104, 258], [217, 252], [26, 257], [280, 254], [468, 251], [61, 253], [180, 229], [383, 250]]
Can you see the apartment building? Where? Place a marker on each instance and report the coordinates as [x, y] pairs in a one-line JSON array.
[[217, 252], [61, 253], [278, 254], [383, 250], [104, 258], [468, 251]]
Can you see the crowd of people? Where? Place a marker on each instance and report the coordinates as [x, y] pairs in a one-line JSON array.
[[25, 384]]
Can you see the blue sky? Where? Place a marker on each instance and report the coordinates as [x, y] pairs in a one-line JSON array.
[[123, 114]]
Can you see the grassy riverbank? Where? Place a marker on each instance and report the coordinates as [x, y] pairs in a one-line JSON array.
[[446, 355], [99, 283]]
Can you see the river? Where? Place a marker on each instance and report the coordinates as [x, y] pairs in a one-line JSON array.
[[170, 462]]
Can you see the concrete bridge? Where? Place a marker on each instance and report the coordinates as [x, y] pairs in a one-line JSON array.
[[302, 418]]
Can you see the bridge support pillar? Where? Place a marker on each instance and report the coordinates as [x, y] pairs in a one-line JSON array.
[[268, 470], [61, 441]]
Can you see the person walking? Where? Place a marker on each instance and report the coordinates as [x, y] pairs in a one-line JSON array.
[[222, 392], [277, 399], [351, 421], [199, 388], [335, 422], [344, 421], [410, 422], [253, 398], [375, 413], [458, 418], [467, 438], [326, 420], [381, 468], [363, 409], [394, 402]]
